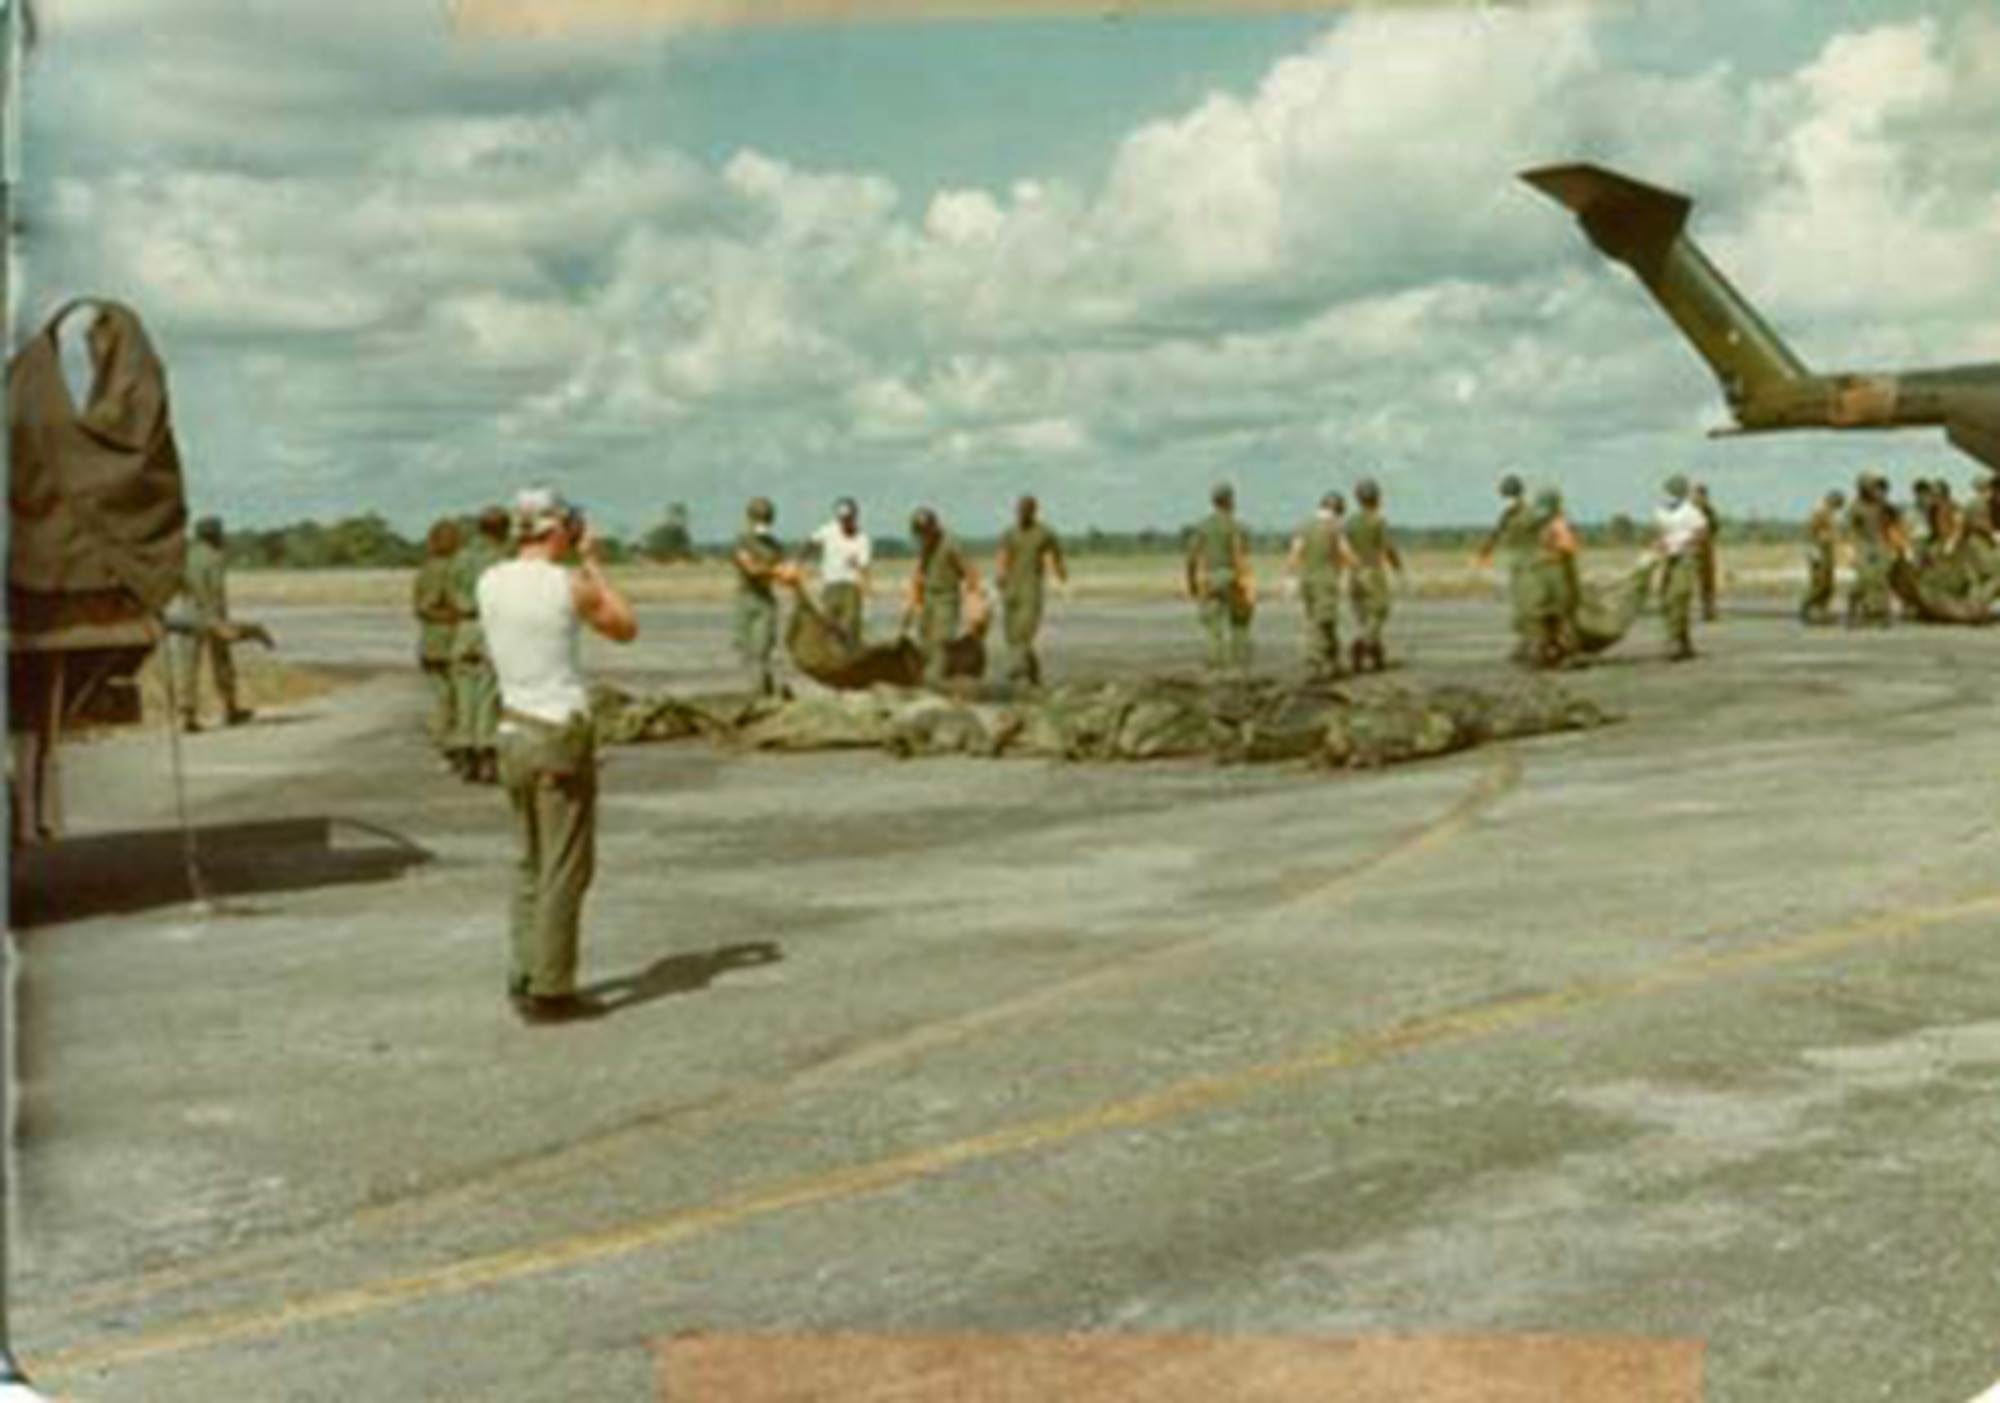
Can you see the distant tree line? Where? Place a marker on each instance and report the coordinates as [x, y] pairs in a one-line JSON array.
[[371, 542]]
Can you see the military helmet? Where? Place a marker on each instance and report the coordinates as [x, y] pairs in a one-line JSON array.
[[1677, 485], [1548, 501], [1367, 492], [1512, 486], [762, 509], [1836, 498], [1334, 503], [923, 521], [1222, 495], [209, 529]]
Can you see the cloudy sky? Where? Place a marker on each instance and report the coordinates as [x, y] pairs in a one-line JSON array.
[[399, 270]]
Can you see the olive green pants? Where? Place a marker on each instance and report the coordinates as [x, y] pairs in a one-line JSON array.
[[1818, 603], [1322, 608], [757, 639], [1370, 593], [1868, 598], [842, 606], [443, 718], [475, 697], [188, 651], [1024, 625], [1227, 623], [1677, 593], [550, 774], [938, 626]]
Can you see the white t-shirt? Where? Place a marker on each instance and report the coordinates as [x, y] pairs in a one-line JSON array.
[[1680, 528], [842, 557], [527, 609]]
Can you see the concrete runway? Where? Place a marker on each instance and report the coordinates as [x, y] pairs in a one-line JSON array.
[[1685, 1028]]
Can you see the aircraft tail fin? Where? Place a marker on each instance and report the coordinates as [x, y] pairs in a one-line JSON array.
[[1645, 228]]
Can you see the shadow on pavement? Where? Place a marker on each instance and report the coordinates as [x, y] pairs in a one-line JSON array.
[[118, 873], [680, 974]]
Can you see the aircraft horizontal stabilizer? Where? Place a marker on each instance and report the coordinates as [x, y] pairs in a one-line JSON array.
[[1626, 219]]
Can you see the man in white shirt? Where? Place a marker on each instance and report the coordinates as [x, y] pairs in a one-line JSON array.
[[845, 557], [531, 609], [1682, 527]]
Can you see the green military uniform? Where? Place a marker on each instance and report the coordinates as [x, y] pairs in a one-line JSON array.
[[757, 605], [437, 620], [1868, 522], [1374, 551], [1708, 572], [475, 692], [197, 620], [1215, 549], [1029, 551], [1976, 548], [1822, 564], [942, 576], [550, 774], [1322, 548], [1552, 592], [1518, 537]]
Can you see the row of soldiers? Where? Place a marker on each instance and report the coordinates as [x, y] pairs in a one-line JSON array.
[[1332, 561], [1959, 549], [1545, 583], [943, 601]]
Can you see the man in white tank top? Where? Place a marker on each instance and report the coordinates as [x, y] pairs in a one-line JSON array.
[[533, 609]]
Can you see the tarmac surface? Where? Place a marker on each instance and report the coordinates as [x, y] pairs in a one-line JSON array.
[[1687, 1028]]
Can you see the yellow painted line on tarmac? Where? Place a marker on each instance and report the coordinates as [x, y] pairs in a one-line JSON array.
[[1498, 780], [1187, 1098]]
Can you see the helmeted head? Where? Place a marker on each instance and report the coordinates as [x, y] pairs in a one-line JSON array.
[[443, 538], [493, 522], [209, 530], [1677, 487], [847, 511], [1511, 486], [761, 511], [924, 524], [1368, 492], [1836, 498], [1333, 504], [1222, 497], [1027, 510], [1548, 503], [1923, 489], [540, 513]]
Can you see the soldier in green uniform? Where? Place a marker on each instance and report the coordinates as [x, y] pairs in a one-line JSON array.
[[1554, 586], [475, 694], [1518, 533], [1822, 559], [1029, 552], [1681, 525], [943, 578], [759, 557], [1708, 572], [1219, 581], [437, 620], [1375, 554], [1318, 562], [1978, 526], [1872, 524], [199, 621]]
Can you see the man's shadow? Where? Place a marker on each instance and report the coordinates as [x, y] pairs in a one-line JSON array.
[[680, 974]]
